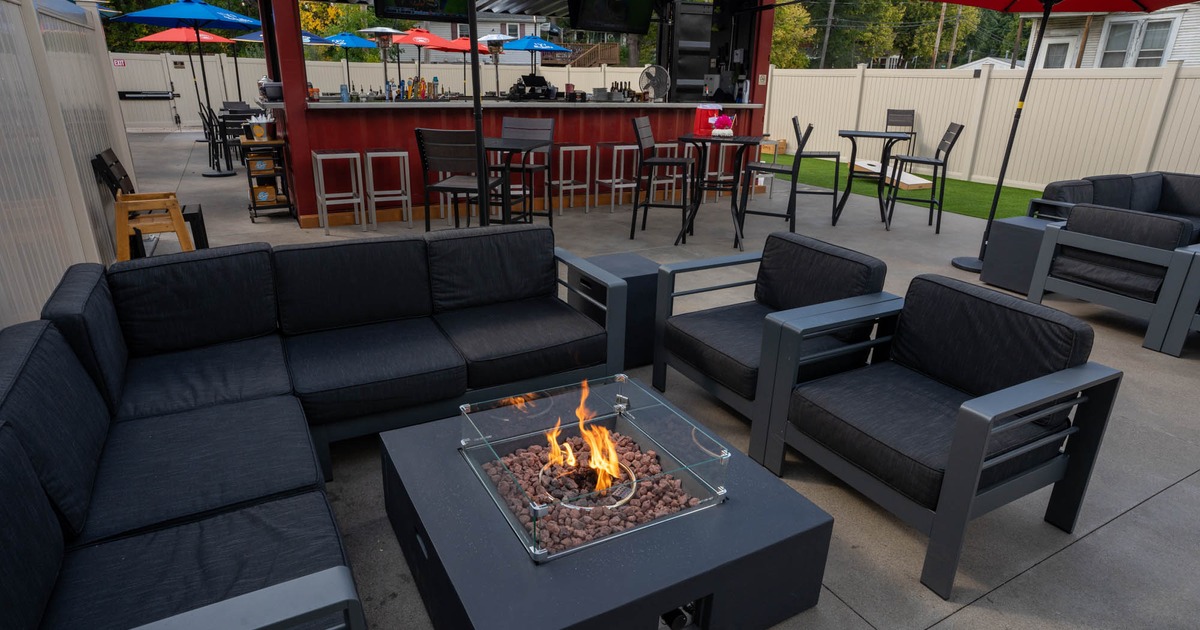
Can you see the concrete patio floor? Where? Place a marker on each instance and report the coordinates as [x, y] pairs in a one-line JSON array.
[[1131, 563]]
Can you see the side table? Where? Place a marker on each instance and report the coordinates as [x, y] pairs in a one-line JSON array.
[[641, 274], [1012, 251]]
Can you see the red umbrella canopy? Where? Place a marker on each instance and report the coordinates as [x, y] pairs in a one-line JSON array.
[[462, 45], [185, 35], [421, 38], [1068, 6]]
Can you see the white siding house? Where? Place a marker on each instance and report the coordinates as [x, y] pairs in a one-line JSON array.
[[1120, 40], [514, 25]]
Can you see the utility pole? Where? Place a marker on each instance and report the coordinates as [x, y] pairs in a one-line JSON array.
[[828, 26], [1017, 43], [954, 40], [937, 41]]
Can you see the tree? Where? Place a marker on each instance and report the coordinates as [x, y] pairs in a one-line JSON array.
[[915, 41], [862, 30], [792, 37]]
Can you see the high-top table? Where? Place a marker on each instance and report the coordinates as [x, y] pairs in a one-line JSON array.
[[701, 184], [890, 138], [510, 147]]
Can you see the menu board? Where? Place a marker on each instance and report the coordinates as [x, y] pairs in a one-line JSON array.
[[432, 10]]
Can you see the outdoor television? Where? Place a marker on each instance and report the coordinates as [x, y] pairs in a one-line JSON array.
[[432, 10], [611, 16]]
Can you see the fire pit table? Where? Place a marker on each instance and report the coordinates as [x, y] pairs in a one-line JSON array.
[[596, 506]]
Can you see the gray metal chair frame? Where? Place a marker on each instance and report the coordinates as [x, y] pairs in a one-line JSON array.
[[793, 172], [1159, 313], [1185, 318], [1090, 388], [532, 129], [648, 163], [450, 151], [904, 121], [937, 191]]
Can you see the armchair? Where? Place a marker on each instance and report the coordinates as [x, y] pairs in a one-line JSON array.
[[965, 406], [723, 348]]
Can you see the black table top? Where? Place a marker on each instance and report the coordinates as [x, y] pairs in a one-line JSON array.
[[514, 145], [691, 137], [886, 135], [500, 586]]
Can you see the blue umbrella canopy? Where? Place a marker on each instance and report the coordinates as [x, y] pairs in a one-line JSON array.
[[533, 43], [308, 39], [350, 40]]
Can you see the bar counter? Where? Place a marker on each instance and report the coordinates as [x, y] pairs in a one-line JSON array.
[[359, 127]]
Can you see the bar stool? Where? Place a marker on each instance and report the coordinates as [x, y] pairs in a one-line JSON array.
[[353, 197], [616, 182], [566, 181], [648, 162], [403, 194], [665, 180], [767, 177], [722, 154]]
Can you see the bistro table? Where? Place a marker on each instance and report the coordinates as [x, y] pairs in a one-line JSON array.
[[510, 147], [890, 138], [702, 184]]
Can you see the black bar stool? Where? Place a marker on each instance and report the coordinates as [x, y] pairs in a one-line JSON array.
[[647, 164]]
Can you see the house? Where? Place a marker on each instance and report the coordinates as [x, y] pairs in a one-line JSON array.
[[513, 25], [1120, 40], [992, 61]]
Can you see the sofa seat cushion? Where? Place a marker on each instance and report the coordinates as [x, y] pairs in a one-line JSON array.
[[167, 469], [212, 375], [132, 581], [1193, 221], [898, 424], [356, 371], [1139, 286], [724, 343], [511, 341]]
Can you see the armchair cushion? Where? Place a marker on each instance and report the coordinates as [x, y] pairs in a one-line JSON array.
[[1069, 191], [1145, 192], [184, 301], [212, 375], [32, 547], [357, 371], [898, 425], [82, 309], [799, 271], [1112, 190], [978, 341], [166, 469], [56, 413], [511, 341], [334, 285], [1180, 194], [477, 267], [132, 581]]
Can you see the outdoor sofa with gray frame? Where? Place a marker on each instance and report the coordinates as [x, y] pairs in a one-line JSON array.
[[369, 335], [722, 349], [965, 407], [1127, 243]]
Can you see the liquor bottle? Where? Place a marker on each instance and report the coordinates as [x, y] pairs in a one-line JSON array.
[[434, 92]]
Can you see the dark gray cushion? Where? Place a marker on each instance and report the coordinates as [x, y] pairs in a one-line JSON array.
[[1069, 191], [367, 369], [194, 299], [81, 307], [132, 581], [224, 373], [165, 469], [978, 340], [1180, 194], [333, 285], [1145, 191], [31, 543], [1136, 279], [1112, 190], [481, 266], [57, 412], [504, 343], [799, 271], [898, 425], [1194, 221]]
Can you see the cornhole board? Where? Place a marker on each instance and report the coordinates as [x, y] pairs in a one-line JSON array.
[[908, 181]]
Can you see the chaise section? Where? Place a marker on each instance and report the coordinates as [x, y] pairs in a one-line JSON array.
[[82, 309]]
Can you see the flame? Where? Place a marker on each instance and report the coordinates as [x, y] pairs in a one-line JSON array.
[[602, 456], [517, 401]]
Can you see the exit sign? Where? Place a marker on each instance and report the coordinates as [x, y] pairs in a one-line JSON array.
[[118, 63]]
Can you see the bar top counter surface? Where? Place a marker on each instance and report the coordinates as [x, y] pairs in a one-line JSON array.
[[493, 104]]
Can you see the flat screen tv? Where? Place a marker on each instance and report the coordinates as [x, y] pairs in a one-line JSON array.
[[611, 16], [432, 10]]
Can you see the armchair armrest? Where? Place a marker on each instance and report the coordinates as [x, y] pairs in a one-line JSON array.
[[283, 605], [665, 296], [614, 306], [1049, 209]]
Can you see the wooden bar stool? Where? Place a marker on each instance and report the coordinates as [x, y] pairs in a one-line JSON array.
[[352, 197], [138, 211], [403, 194], [566, 181]]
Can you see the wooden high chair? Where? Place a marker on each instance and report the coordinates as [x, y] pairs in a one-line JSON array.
[[138, 211]]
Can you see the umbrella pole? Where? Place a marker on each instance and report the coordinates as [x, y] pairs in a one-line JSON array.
[[383, 53], [481, 166], [349, 85], [496, 65], [237, 75], [203, 71], [192, 65], [975, 264], [464, 74]]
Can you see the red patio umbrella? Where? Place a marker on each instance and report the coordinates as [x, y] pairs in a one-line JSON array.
[[1046, 7], [421, 38], [462, 45], [187, 36]]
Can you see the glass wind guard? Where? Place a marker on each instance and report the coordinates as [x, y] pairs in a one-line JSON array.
[[573, 466]]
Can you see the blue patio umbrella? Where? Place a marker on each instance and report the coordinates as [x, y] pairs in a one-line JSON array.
[[306, 38], [534, 45], [346, 41], [193, 14]]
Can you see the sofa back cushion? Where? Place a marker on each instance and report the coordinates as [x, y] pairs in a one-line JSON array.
[[57, 413], [31, 543], [335, 285], [480, 266], [183, 301], [1145, 191], [978, 340], [1069, 191], [82, 309], [798, 271], [1180, 194]]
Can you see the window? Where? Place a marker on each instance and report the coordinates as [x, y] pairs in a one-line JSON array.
[[1136, 42], [513, 30], [1057, 52]]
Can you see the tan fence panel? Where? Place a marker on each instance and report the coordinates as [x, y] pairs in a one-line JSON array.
[[1179, 141], [821, 97]]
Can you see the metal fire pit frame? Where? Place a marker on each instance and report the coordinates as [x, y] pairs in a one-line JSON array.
[[755, 561]]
